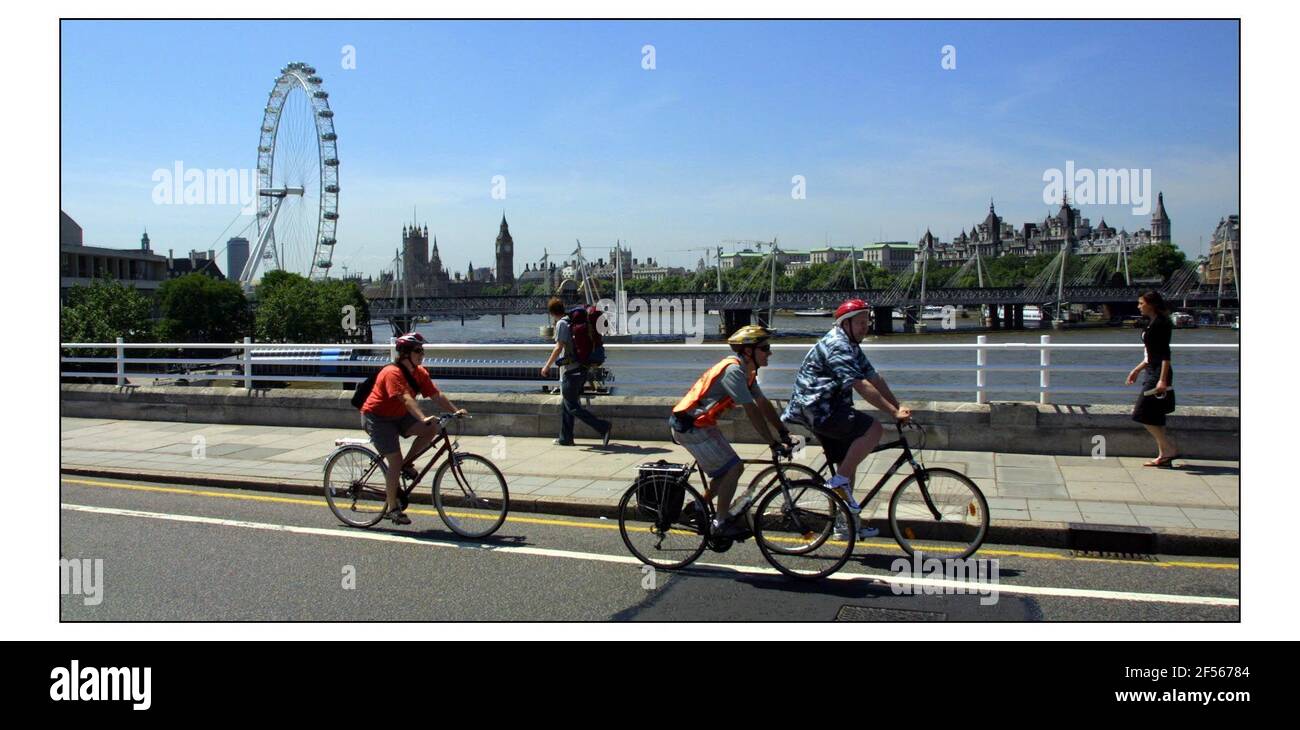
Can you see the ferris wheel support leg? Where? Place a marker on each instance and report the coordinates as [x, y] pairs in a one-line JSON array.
[[255, 259]]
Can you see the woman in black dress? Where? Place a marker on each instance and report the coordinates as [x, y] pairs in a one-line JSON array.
[[1150, 410]]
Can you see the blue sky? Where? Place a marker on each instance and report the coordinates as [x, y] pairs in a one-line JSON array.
[[702, 148]]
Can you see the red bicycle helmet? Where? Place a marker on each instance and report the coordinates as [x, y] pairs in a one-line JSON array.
[[849, 309], [410, 341]]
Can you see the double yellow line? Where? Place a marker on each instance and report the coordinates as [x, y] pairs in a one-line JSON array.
[[320, 501]]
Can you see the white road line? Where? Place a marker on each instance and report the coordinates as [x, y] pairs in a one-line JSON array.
[[957, 586]]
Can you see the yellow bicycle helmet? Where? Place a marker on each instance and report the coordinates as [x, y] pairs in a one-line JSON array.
[[750, 334]]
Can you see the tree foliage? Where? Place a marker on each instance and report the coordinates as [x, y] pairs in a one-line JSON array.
[[200, 308], [104, 311], [291, 308]]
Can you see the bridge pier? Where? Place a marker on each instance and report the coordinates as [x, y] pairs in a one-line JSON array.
[[1009, 316], [993, 321], [1018, 316], [909, 321], [734, 319], [882, 320]]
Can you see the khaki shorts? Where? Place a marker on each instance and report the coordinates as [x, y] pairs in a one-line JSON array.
[[710, 448]]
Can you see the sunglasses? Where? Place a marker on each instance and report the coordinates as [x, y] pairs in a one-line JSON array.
[[765, 348], [418, 351]]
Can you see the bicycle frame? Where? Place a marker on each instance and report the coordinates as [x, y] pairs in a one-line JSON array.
[[903, 458], [758, 493], [445, 446]]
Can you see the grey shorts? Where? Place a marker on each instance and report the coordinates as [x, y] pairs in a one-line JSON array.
[[386, 433], [710, 448]]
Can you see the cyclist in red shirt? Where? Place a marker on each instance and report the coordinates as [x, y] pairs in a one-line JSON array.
[[391, 413]]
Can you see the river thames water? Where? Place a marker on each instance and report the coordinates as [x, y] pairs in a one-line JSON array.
[[671, 370]]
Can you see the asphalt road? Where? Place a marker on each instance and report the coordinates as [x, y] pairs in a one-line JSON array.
[[175, 553]]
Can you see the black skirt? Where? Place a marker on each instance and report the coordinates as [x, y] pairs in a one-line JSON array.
[[1149, 409]]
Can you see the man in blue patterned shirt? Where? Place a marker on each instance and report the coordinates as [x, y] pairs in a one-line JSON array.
[[823, 399]]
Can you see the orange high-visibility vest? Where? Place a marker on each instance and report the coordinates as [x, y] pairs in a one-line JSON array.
[[693, 396]]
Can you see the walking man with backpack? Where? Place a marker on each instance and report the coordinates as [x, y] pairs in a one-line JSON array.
[[578, 339]]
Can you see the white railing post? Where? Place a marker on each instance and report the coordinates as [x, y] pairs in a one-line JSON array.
[[121, 363], [248, 363], [981, 359], [1044, 375]]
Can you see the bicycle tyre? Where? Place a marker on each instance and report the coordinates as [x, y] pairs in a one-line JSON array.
[[476, 513], [814, 522], [692, 548], [963, 538], [345, 493]]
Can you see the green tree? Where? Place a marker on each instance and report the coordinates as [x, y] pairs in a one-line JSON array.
[[1161, 259], [287, 309], [291, 308], [333, 297], [104, 311], [199, 308]]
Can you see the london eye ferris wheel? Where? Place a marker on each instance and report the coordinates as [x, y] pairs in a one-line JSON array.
[[297, 179]]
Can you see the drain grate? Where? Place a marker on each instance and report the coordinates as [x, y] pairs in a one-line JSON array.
[[1110, 555], [865, 613], [1123, 539]]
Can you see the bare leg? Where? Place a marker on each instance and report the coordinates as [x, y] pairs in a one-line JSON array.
[[724, 487], [1163, 441], [860, 449], [391, 475], [424, 434]]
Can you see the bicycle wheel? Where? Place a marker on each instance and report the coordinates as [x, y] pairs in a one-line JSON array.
[[643, 511], [354, 489], [793, 528], [471, 495], [939, 511]]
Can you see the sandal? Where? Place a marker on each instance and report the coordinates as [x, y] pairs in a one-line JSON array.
[[1164, 462]]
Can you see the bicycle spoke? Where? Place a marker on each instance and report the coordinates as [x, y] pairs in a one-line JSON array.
[[939, 511]]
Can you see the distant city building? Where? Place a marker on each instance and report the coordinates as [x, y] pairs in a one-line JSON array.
[[995, 237], [619, 257], [1224, 258], [198, 262], [651, 270], [830, 254], [236, 256], [892, 256], [548, 276], [80, 264], [505, 251], [422, 272], [740, 258]]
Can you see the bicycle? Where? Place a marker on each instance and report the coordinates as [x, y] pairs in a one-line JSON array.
[[786, 509], [473, 502], [937, 506]]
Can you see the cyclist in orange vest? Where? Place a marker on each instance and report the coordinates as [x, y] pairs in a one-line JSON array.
[[730, 383]]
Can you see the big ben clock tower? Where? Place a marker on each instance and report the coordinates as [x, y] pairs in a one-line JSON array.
[[505, 255]]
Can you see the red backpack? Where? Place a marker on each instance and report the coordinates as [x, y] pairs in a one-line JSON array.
[[588, 345]]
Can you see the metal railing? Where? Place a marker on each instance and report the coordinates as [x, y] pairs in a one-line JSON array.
[[681, 371]]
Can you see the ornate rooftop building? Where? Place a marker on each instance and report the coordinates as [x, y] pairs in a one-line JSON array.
[[995, 237]]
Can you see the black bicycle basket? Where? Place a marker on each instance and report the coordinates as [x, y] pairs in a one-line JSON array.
[[661, 489]]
